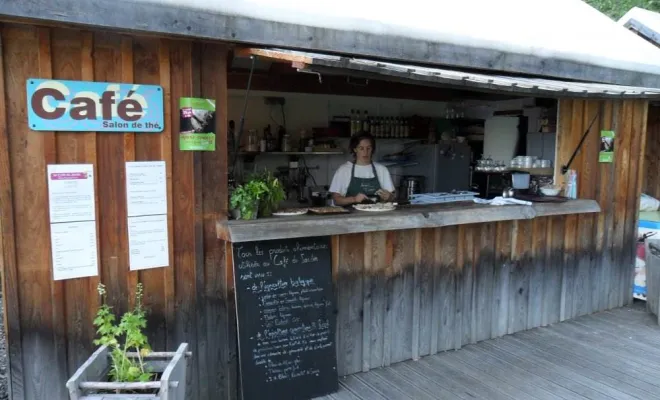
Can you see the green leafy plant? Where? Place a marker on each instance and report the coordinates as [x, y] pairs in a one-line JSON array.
[[273, 195], [246, 198], [124, 337]]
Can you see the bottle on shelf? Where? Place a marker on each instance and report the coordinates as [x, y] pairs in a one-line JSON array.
[[365, 121], [352, 122]]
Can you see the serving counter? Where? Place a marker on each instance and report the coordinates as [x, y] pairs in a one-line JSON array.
[[404, 217], [421, 279]]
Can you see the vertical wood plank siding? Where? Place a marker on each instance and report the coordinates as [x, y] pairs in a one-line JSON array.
[[433, 290], [49, 323], [401, 295], [651, 179]]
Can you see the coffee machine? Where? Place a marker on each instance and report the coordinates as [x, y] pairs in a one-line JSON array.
[[519, 184]]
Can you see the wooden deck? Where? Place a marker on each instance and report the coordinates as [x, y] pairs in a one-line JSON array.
[[608, 355]]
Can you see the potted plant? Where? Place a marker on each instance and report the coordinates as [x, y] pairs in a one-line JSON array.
[[274, 194], [124, 364], [245, 198]]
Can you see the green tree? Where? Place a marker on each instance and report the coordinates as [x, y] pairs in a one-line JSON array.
[[615, 9]]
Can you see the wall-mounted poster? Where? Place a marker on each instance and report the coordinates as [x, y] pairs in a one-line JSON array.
[[146, 197], [82, 106], [72, 211], [197, 124], [606, 154]]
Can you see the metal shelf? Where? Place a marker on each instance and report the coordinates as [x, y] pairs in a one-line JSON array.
[[292, 153]]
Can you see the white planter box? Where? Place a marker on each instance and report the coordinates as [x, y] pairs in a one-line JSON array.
[[91, 378]]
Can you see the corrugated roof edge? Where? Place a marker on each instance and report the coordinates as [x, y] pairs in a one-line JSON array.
[[408, 73], [182, 21]]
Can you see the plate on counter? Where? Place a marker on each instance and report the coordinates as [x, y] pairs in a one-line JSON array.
[[378, 207], [290, 212]]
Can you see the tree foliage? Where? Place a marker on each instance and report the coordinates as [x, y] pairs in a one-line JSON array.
[[615, 9]]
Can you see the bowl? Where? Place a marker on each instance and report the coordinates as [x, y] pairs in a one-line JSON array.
[[550, 190]]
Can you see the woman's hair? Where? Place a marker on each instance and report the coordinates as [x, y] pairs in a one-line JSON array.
[[357, 138]]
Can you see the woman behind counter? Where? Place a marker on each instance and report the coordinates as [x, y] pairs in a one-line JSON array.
[[362, 178]]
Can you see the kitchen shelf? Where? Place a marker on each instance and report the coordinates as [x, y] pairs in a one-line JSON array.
[[400, 164], [292, 153], [535, 171]]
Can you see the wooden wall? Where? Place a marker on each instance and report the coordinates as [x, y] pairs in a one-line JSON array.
[[400, 294], [49, 323], [651, 182], [407, 294]]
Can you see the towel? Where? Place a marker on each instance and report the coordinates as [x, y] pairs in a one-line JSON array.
[[500, 201]]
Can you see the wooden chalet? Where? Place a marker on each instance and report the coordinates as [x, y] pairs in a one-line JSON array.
[[405, 284]]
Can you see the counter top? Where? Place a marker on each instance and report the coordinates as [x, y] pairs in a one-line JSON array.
[[406, 217]]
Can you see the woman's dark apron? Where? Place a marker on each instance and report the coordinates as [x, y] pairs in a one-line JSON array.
[[368, 186]]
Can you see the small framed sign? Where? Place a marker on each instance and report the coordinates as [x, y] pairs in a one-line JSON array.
[[82, 106]]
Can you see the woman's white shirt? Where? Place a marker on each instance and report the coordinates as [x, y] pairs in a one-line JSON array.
[[342, 177]]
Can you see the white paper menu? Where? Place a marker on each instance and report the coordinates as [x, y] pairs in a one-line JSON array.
[[148, 242], [146, 197], [72, 209], [71, 193], [74, 250], [146, 188]]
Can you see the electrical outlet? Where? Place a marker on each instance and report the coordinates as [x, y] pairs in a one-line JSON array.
[[274, 100]]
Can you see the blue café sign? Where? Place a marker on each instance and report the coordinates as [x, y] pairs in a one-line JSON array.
[[59, 105]]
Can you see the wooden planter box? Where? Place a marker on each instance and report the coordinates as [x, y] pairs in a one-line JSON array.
[[91, 377]]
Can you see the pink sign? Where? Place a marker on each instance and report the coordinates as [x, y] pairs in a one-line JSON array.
[[187, 112], [56, 176]]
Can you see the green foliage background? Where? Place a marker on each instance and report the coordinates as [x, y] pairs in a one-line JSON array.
[[615, 9]]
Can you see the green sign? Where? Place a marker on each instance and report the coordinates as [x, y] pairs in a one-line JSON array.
[[606, 154], [197, 130]]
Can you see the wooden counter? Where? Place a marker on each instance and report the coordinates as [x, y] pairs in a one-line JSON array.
[[406, 217]]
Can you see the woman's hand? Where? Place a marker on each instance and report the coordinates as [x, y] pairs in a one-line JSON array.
[[345, 201], [384, 195], [360, 198]]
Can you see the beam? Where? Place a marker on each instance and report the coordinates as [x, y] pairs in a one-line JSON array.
[[273, 55], [338, 85]]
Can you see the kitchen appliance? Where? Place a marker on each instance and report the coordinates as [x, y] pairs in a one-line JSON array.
[[519, 184], [520, 180], [319, 196], [445, 166], [410, 185]]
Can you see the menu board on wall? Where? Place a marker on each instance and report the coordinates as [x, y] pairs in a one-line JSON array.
[[286, 321]]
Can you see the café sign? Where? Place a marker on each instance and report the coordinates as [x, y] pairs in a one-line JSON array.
[[59, 105]]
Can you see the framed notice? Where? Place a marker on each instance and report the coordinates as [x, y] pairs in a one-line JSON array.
[[606, 154], [82, 106], [197, 118]]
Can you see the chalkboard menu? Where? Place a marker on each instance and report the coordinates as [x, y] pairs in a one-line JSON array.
[[286, 321]]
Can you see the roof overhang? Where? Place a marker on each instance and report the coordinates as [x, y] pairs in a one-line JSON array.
[[505, 36], [447, 78], [644, 22]]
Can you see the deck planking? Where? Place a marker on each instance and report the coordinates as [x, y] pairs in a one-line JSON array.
[[606, 355]]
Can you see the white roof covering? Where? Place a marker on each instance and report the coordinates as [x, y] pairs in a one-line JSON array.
[[646, 22], [559, 38], [569, 29]]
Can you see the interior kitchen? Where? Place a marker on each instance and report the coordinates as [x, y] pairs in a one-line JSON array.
[[438, 145]]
